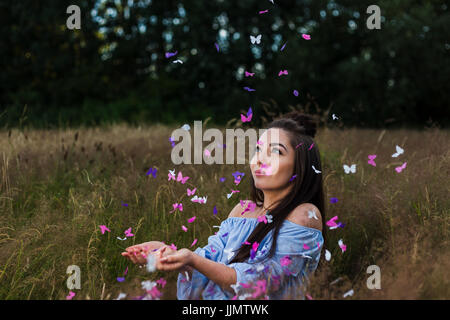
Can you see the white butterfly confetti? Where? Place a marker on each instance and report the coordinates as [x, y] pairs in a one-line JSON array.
[[327, 255], [312, 214], [348, 293], [151, 263], [148, 285], [269, 218], [229, 252], [315, 170], [121, 296], [256, 39], [185, 127], [351, 169], [121, 238], [334, 117], [178, 61], [399, 152]]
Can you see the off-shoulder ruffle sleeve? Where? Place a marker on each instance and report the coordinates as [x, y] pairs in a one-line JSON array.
[[193, 287], [282, 276]]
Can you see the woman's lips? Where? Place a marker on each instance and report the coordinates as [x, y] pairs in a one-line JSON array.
[[259, 173]]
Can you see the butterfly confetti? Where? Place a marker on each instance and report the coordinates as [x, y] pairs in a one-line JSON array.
[[176, 206], [194, 242], [212, 249], [222, 179], [103, 228], [186, 127], [255, 40], [214, 210], [334, 117], [184, 228], [282, 48], [249, 74], [262, 218], [264, 11], [306, 36], [331, 222], [305, 246], [229, 252], [285, 72], [217, 47], [247, 118], [327, 255], [121, 296], [293, 177], [249, 89], [333, 200], [309, 297], [315, 170], [190, 220], [285, 261], [348, 293], [170, 54], [312, 214], [128, 232], [398, 152], [295, 92], [349, 169], [124, 204], [70, 296], [151, 263], [207, 153], [122, 239], [399, 169], [177, 61], [269, 218], [342, 245], [191, 192], [172, 141], [199, 199], [173, 246], [298, 145], [310, 147], [152, 172], [371, 159], [182, 179]]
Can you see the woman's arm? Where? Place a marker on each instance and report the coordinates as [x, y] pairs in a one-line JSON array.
[[219, 273]]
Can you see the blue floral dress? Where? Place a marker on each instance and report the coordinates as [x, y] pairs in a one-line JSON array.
[[280, 277]]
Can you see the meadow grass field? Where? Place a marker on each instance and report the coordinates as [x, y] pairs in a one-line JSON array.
[[58, 186]]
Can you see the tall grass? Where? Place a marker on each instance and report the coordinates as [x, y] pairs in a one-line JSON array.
[[58, 186]]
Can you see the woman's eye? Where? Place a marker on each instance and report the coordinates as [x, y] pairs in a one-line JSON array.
[[276, 150]]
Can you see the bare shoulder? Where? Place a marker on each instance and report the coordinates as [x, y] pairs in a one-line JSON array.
[[303, 216], [238, 209]]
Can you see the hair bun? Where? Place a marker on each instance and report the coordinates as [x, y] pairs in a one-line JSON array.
[[307, 121]]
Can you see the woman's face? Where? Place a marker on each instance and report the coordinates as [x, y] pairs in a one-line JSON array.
[[272, 165]]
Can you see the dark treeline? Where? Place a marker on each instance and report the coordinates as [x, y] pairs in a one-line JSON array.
[[114, 68]]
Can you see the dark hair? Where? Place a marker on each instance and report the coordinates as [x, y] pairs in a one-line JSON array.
[[307, 187]]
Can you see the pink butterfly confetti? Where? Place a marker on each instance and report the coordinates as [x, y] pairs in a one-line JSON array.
[[103, 228], [342, 245], [128, 232], [181, 179], [161, 282], [194, 242], [173, 246], [245, 285], [264, 11], [371, 159], [298, 145], [309, 297], [246, 242], [285, 72], [312, 145], [260, 288], [249, 74], [191, 192], [70, 296], [190, 220], [305, 246], [262, 219], [285, 261], [399, 169], [207, 153], [176, 206], [247, 118], [212, 249], [184, 228], [331, 222], [306, 36]]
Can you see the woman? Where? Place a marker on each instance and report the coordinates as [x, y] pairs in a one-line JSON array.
[[266, 247]]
